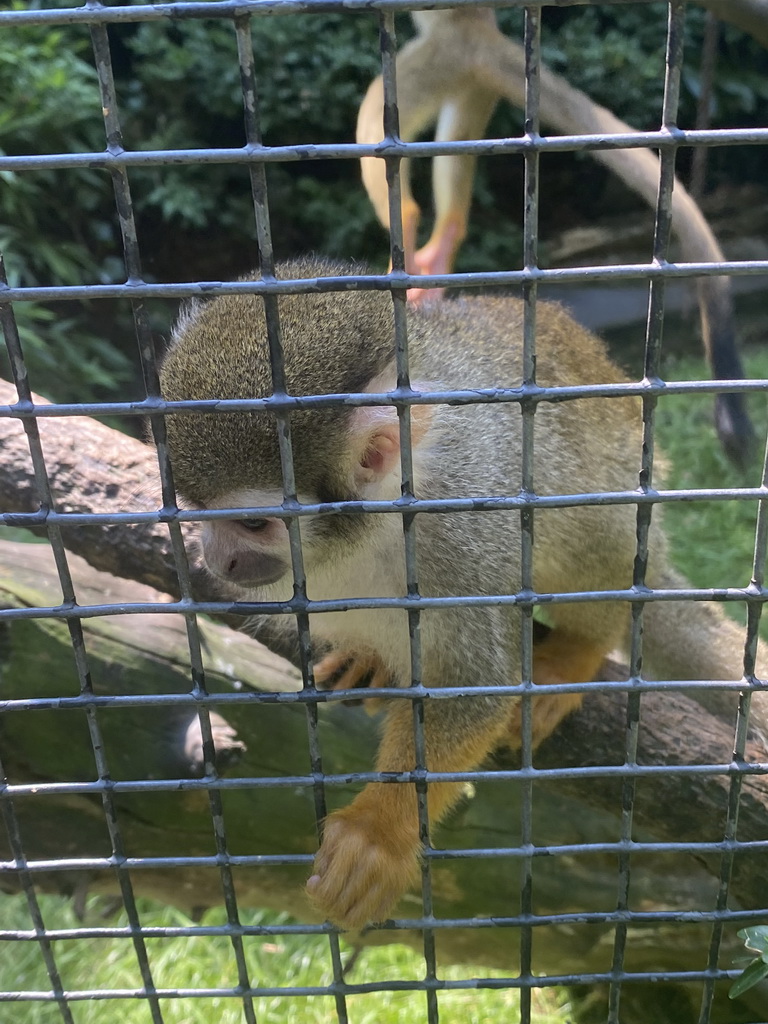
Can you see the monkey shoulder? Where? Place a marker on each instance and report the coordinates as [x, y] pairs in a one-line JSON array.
[[485, 334]]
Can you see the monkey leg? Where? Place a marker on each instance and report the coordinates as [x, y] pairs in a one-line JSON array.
[[370, 850], [374, 172], [465, 115], [438, 255], [427, 92], [419, 99], [561, 657]]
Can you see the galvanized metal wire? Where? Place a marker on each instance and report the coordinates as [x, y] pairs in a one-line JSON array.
[[119, 162]]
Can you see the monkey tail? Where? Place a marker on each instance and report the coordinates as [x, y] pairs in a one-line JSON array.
[[696, 640], [569, 110]]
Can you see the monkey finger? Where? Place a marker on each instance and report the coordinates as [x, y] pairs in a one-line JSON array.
[[345, 671], [355, 676], [381, 677], [378, 676], [369, 673], [326, 671], [366, 906], [356, 900]]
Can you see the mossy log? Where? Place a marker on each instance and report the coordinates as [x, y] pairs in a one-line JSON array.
[[148, 654]]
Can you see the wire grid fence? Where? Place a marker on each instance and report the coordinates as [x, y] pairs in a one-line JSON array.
[[119, 161]]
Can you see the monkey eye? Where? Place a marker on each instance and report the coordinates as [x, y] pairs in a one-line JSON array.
[[254, 525]]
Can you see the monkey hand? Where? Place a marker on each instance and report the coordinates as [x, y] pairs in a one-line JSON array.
[[369, 856], [347, 670]]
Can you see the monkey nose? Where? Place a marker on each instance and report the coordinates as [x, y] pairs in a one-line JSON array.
[[249, 568]]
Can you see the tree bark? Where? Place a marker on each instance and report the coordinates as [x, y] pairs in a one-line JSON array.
[[94, 468]]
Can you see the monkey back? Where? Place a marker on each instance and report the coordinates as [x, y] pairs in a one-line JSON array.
[[339, 342]]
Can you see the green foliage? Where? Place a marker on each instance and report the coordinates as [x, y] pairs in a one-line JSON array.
[[756, 941], [616, 56], [614, 60], [50, 105], [182, 89], [59, 348]]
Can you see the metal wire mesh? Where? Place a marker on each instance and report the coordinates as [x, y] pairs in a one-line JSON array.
[[658, 271]]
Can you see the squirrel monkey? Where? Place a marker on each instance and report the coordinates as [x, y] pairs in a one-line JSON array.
[[344, 342], [454, 72]]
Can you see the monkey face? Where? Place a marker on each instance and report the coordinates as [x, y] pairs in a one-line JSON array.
[[251, 552]]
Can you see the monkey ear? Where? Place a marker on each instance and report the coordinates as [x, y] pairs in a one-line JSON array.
[[376, 434], [376, 444]]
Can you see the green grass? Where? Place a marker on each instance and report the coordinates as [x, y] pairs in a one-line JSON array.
[[208, 961], [712, 542]]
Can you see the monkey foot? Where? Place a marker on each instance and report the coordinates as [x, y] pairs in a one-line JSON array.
[[437, 257], [431, 259], [421, 296], [368, 858]]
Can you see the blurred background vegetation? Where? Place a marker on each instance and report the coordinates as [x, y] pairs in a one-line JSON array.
[[178, 86]]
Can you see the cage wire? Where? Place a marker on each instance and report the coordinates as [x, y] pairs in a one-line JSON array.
[[20, 869]]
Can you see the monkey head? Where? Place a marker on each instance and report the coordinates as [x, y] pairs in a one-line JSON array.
[[333, 343]]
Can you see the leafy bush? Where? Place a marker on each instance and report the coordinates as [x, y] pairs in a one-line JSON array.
[[51, 104], [756, 941]]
